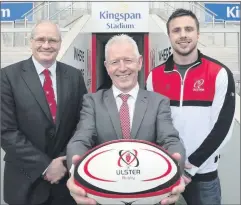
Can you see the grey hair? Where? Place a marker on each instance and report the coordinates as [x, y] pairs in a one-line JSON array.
[[121, 38], [41, 22]]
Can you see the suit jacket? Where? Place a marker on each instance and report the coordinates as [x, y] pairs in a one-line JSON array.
[[99, 123], [29, 136]]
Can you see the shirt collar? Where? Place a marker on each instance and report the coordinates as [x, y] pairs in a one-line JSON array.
[[40, 68], [170, 65], [133, 93]]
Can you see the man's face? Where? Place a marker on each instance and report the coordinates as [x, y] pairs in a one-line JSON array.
[[123, 65], [46, 43], [183, 35]]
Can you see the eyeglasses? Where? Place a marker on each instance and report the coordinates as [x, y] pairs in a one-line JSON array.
[[42, 40], [126, 61]]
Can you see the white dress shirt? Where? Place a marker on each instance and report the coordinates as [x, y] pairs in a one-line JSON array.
[[131, 100], [52, 71]]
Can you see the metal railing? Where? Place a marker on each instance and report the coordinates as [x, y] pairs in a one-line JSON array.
[[223, 39], [164, 10], [50, 11], [45, 10], [20, 37], [34, 9], [207, 12], [62, 16], [42, 11], [69, 7]]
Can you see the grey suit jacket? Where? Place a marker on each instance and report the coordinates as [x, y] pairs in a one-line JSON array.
[[29, 136], [99, 123]]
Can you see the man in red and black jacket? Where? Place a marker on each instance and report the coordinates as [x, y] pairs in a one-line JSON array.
[[202, 99]]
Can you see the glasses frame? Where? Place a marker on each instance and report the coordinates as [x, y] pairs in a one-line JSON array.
[[51, 41]]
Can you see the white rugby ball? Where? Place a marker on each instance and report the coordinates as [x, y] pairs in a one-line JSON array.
[[127, 172]]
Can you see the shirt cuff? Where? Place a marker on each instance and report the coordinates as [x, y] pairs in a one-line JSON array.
[[71, 171], [45, 171], [192, 171]]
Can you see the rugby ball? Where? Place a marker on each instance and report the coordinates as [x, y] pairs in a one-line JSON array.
[[127, 172]]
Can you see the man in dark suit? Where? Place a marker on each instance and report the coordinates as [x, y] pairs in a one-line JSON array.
[[41, 103], [128, 112]]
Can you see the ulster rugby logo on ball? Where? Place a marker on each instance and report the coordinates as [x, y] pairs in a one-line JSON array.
[[129, 161], [127, 171]]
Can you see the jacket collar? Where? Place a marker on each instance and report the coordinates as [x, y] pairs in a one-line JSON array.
[[170, 65]]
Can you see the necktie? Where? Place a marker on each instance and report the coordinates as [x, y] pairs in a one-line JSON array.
[[125, 117], [49, 93]]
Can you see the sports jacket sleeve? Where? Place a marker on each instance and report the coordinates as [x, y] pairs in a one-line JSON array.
[[221, 121], [85, 134]]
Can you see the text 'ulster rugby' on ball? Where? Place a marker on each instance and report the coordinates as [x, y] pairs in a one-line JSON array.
[[127, 172]]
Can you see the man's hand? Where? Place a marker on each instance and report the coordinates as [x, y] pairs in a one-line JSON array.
[[56, 170], [177, 190], [77, 192]]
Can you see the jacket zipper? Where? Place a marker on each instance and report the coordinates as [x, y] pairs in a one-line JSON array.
[[182, 88], [182, 83]]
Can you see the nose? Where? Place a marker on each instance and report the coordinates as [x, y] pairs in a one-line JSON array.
[[46, 44], [183, 33], [122, 66]]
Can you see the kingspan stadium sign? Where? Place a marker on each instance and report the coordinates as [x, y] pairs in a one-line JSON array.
[[121, 20]]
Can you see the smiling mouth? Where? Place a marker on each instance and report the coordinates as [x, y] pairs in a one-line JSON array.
[[123, 76], [183, 42]]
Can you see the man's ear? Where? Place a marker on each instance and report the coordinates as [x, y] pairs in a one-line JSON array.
[[31, 43], [106, 66], [140, 61]]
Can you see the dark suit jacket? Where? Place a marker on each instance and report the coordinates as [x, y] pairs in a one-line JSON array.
[[29, 137], [99, 123]]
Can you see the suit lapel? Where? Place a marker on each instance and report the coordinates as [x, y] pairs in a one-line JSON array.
[[31, 78], [62, 81], [139, 112], [111, 106]]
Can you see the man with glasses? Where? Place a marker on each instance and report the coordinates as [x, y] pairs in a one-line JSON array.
[[128, 111], [41, 101]]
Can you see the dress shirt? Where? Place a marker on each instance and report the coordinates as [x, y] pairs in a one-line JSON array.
[[131, 100], [52, 70]]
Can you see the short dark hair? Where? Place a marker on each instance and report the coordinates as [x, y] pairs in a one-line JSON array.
[[180, 13]]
